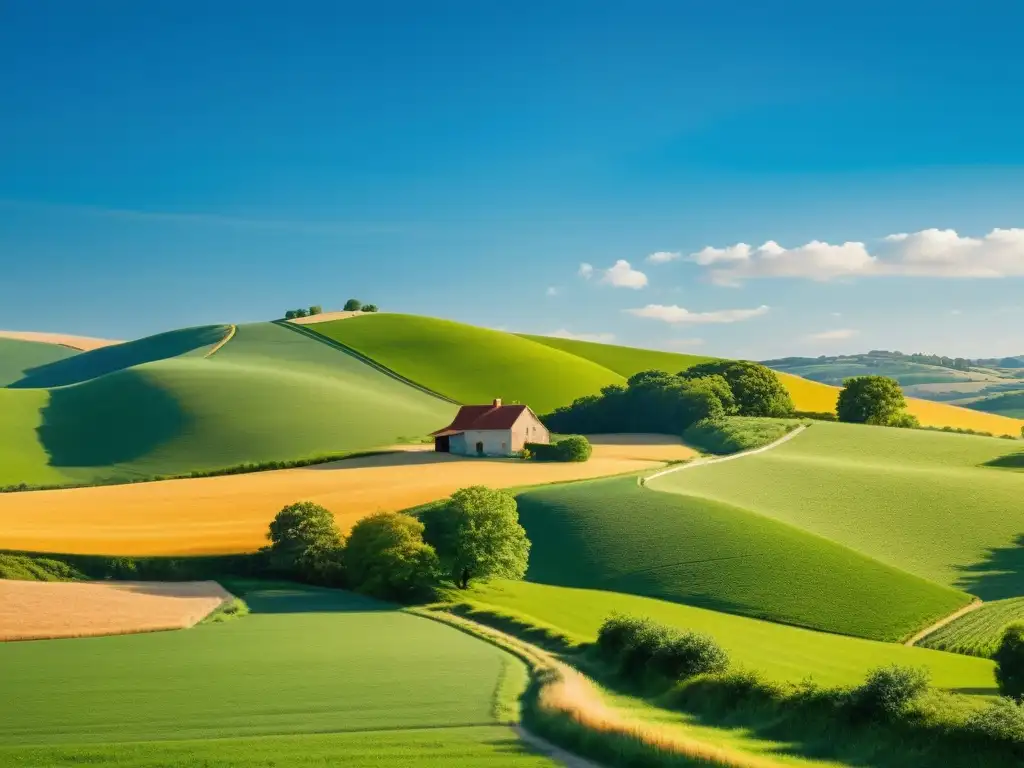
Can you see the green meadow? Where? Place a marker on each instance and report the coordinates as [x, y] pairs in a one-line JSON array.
[[781, 653], [614, 535], [305, 661], [269, 394], [977, 633], [625, 361], [929, 503], [17, 357]]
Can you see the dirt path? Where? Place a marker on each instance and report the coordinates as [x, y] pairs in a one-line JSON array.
[[230, 335], [944, 621], [556, 753], [732, 456]]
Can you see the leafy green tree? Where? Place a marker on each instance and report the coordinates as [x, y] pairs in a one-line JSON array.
[[316, 309], [757, 389], [305, 543], [301, 313], [289, 315], [386, 557], [478, 536], [871, 400], [353, 305], [1009, 659], [370, 308]]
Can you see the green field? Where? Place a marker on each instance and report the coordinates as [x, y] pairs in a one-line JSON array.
[[625, 361], [780, 652], [269, 394], [470, 364], [977, 633], [306, 661], [614, 535], [1010, 404], [18, 357], [921, 501]]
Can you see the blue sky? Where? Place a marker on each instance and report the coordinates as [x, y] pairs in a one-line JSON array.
[[164, 165]]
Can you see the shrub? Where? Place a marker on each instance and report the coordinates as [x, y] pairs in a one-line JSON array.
[[386, 557], [888, 691], [477, 534], [370, 308], [904, 420], [306, 544], [639, 646], [736, 433], [1009, 659], [615, 633], [353, 305], [569, 448], [316, 309], [688, 654], [1002, 721]]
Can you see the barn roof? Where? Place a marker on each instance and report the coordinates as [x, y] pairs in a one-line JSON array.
[[483, 417]]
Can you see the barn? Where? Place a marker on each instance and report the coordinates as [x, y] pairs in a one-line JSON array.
[[491, 430]]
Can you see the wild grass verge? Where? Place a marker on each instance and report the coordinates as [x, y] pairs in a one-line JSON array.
[[232, 609], [737, 433]]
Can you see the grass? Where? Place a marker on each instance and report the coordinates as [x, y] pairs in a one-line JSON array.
[[977, 633], [270, 394], [17, 357], [1010, 404], [917, 500], [625, 361], [305, 661], [470, 364], [737, 433], [614, 535], [781, 653], [485, 746]]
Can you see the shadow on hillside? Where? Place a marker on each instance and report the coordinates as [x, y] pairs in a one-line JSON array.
[[297, 598], [99, 362], [999, 575], [103, 423], [1010, 461]]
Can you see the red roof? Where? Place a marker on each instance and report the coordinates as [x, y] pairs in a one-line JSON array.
[[483, 417]]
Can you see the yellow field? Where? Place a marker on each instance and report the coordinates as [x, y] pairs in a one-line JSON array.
[[216, 515], [814, 396], [35, 610], [84, 343]]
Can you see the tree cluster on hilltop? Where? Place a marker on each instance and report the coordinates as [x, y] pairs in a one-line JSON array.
[[352, 305], [656, 401]]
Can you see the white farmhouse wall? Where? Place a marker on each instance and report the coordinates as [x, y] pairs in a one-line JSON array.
[[528, 429], [496, 442]]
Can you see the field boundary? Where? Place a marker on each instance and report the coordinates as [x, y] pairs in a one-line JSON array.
[[972, 606], [718, 459], [230, 335], [307, 332]]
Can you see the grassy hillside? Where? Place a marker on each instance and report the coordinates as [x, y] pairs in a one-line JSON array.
[[921, 501], [470, 364], [269, 394], [615, 535], [780, 652], [327, 661], [625, 361], [1010, 404], [977, 633], [17, 357]]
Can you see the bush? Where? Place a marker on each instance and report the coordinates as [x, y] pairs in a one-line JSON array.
[[615, 633], [386, 557], [370, 308], [640, 646], [736, 433], [569, 448], [904, 420], [1009, 659], [305, 544], [353, 305], [888, 691], [689, 654], [316, 309], [1002, 721]]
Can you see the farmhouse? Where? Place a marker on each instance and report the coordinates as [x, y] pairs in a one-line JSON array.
[[491, 430]]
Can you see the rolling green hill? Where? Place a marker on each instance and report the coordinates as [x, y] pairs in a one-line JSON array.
[[625, 361], [470, 364], [1011, 404], [615, 535], [327, 662], [921, 501], [17, 357], [269, 394], [780, 652]]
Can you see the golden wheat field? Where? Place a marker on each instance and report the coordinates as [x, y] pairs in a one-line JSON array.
[[83, 343], [217, 515], [35, 610], [814, 396]]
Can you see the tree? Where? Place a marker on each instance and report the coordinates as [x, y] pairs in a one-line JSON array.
[[756, 388], [353, 305], [1009, 659], [871, 400], [316, 309], [478, 536], [289, 315], [386, 557], [305, 543], [370, 308], [301, 313]]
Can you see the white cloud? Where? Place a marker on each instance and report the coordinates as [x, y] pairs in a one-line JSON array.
[[839, 333], [601, 338], [928, 253], [552, 291], [622, 275], [662, 257], [585, 271], [675, 314]]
